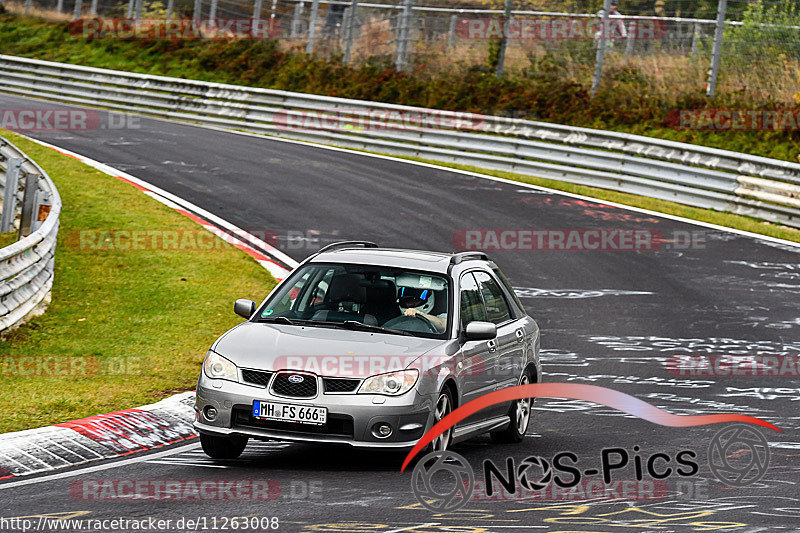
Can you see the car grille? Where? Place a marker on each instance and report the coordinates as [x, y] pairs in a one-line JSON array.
[[305, 389], [339, 425], [256, 377], [340, 384]]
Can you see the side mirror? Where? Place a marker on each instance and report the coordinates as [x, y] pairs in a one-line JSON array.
[[244, 308], [480, 331]]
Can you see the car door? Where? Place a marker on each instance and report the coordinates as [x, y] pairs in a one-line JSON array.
[[476, 359], [510, 331]]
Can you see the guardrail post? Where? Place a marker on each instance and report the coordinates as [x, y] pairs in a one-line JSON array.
[[403, 35], [713, 72], [501, 55], [312, 27], [10, 194], [451, 31], [351, 29], [198, 11], [137, 15], [256, 13], [695, 37], [631, 33], [600, 57], [78, 9], [296, 20], [41, 208], [29, 201]]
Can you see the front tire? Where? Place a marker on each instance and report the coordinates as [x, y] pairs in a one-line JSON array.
[[223, 447], [443, 407], [520, 414]]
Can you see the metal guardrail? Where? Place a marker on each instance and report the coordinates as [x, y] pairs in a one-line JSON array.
[[684, 173], [33, 209]]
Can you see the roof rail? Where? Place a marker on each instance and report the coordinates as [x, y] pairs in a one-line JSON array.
[[345, 244], [468, 256]]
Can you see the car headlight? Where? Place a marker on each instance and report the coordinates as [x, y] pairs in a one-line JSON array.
[[217, 367], [393, 383]]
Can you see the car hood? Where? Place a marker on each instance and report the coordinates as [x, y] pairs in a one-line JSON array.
[[324, 351]]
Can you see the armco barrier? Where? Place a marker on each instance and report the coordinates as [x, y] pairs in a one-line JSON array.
[[680, 172], [26, 266]]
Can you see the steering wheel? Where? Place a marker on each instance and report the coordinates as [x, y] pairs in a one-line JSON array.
[[393, 323], [428, 323]]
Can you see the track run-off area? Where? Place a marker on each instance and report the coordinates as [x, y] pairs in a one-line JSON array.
[[613, 316]]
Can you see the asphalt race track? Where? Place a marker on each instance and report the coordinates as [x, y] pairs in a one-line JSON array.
[[608, 317]]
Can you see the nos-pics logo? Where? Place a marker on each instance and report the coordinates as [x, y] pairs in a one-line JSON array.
[[443, 481]]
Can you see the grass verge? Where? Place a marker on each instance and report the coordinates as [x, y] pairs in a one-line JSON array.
[[721, 218], [8, 238], [125, 327]]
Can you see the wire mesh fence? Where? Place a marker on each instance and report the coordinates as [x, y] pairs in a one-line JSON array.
[[658, 43]]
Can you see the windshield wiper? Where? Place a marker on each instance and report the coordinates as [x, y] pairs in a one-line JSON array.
[[354, 324], [280, 320]]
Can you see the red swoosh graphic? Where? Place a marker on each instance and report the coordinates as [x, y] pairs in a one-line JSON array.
[[573, 391]]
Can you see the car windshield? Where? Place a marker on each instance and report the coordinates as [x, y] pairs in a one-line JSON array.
[[372, 298]]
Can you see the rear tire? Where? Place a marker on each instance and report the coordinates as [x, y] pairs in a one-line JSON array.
[[223, 447], [520, 415]]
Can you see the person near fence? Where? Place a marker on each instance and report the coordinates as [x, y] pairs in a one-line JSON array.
[[616, 26]]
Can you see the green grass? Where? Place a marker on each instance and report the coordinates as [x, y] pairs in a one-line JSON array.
[[140, 322], [8, 238], [662, 206]]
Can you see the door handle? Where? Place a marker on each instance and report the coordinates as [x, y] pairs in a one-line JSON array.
[[492, 346], [520, 335]]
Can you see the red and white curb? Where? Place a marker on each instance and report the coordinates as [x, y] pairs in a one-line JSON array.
[[129, 431], [109, 435], [275, 261]]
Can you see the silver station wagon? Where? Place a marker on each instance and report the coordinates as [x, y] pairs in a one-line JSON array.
[[370, 347]]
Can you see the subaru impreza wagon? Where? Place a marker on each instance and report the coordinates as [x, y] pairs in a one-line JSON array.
[[370, 347]]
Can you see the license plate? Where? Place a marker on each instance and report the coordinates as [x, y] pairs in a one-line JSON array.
[[286, 412]]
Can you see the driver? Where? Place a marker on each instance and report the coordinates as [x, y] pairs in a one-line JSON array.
[[419, 302]]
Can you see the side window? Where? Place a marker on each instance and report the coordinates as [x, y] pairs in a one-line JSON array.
[[508, 286], [496, 305], [287, 302], [472, 309], [318, 291]]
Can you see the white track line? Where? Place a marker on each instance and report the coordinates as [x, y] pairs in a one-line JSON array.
[[177, 203], [97, 468]]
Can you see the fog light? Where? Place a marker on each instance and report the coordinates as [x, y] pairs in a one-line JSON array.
[[381, 430], [210, 413]]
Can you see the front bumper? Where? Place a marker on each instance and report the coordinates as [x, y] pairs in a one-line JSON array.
[[351, 417]]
